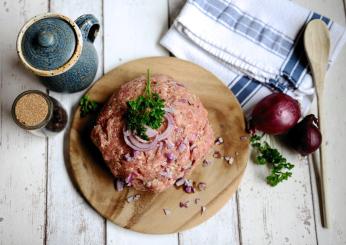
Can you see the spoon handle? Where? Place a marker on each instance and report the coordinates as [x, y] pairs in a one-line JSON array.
[[323, 180]]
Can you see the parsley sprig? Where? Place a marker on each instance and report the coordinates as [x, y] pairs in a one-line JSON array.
[[280, 168], [87, 105], [146, 110]]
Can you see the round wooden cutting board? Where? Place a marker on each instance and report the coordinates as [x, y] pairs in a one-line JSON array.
[[146, 215]]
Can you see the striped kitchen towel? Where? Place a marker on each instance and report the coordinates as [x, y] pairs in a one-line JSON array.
[[254, 47]]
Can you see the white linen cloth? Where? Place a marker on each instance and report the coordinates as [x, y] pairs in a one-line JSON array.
[[254, 47]]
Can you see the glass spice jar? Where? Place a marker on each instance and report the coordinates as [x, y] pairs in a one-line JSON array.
[[39, 113]]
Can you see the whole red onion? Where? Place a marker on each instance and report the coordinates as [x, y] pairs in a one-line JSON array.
[[275, 114], [305, 137]]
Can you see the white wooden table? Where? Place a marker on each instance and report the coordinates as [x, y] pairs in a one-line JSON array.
[[38, 203]]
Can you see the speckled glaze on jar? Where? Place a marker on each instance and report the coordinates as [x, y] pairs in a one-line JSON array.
[[60, 51]]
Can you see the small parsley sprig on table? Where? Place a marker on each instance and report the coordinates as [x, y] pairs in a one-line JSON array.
[[146, 110], [87, 106], [280, 168]]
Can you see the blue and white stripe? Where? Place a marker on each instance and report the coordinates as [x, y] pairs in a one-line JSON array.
[[296, 64], [244, 88], [248, 26]]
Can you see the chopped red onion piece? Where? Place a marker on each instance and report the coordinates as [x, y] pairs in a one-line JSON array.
[[166, 173], [170, 156], [129, 179], [188, 182], [180, 182], [243, 138], [202, 186], [129, 199], [166, 211], [192, 138], [133, 198], [182, 147], [186, 141], [148, 184], [206, 163], [229, 159], [189, 189], [119, 184], [128, 157], [193, 147], [217, 154], [183, 100], [136, 154], [203, 209], [184, 204], [219, 141], [169, 144], [197, 200]]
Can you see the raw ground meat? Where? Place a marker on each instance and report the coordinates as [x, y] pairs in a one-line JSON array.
[[189, 142]]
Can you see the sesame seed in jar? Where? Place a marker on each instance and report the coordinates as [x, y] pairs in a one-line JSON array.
[[31, 109]]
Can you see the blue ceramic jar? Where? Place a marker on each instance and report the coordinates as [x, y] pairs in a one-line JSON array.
[[60, 51]]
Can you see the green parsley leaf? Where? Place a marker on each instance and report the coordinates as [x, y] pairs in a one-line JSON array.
[[146, 110], [87, 106], [280, 168]]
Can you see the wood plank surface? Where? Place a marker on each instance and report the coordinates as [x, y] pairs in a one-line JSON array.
[[70, 220], [220, 229], [22, 155], [145, 23]]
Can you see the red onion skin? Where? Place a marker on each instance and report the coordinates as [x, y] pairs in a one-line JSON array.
[[275, 114], [305, 137]]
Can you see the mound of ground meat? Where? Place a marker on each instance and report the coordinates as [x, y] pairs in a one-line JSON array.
[[175, 157]]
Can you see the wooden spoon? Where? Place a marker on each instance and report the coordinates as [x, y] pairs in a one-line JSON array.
[[317, 46]]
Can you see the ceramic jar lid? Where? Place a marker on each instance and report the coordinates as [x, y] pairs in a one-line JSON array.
[[49, 44]]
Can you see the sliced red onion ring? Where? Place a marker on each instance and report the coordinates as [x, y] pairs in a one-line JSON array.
[[170, 110], [150, 132], [141, 140], [132, 142], [168, 129], [144, 146], [160, 146]]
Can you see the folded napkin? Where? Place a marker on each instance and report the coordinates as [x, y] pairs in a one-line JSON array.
[[254, 47]]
